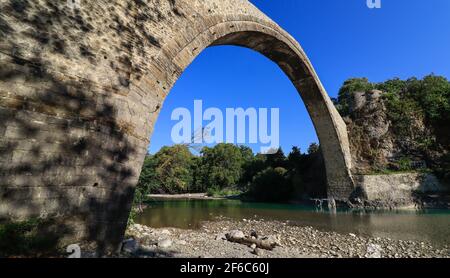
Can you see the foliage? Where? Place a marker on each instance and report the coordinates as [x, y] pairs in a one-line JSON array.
[[221, 166], [168, 171], [225, 192], [226, 169], [404, 164], [149, 180], [302, 174], [271, 185], [406, 99], [277, 159], [443, 169], [174, 168], [313, 148], [34, 237], [345, 95], [252, 167], [419, 113]]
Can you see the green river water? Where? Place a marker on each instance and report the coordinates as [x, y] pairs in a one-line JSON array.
[[427, 225]]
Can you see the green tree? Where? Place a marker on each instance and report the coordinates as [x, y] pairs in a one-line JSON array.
[[251, 168], [313, 148], [170, 170], [277, 159], [247, 153], [148, 180], [295, 158], [221, 166], [174, 168], [271, 185]]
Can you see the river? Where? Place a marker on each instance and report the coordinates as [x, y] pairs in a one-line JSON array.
[[426, 225]]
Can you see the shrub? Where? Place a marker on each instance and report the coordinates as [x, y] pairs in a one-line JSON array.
[[271, 185], [34, 237]]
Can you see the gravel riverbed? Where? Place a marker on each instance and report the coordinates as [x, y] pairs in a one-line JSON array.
[[292, 242]]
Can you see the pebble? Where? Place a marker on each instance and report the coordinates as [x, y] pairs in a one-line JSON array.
[[166, 232], [236, 234], [165, 243], [258, 252], [295, 241]]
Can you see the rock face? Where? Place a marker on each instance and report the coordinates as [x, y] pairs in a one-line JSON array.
[[81, 87], [374, 143], [371, 142], [375, 146]]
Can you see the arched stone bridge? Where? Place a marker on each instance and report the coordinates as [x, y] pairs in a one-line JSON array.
[[81, 88]]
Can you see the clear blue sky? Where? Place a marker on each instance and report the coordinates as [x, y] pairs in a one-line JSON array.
[[343, 39]]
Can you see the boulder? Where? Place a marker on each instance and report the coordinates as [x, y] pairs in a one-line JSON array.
[[130, 246]]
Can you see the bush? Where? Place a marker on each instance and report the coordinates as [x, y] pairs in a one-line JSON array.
[[271, 185], [34, 237], [404, 164], [225, 192]]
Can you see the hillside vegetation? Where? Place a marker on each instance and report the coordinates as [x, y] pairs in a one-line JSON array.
[[398, 125]]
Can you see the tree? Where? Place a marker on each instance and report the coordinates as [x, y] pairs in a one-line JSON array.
[[277, 159], [148, 180], [170, 170], [295, 157], [221, 166], [313, 148], [247, 153], [251, 168], [271, 185], [174, 168]]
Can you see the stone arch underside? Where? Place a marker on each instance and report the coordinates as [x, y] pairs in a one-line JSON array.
[[80, 91]]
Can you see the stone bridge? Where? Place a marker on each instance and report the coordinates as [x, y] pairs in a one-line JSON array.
[[81, 88]]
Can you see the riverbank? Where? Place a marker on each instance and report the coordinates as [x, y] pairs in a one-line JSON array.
[[210, 241], [188, 196]]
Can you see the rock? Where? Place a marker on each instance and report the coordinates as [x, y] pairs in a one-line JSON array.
[[221, 236], [165, 243], [258, 252], [352, 235], [253, 234], [373, 251], [181, 242], [253, 246], [166, 232], [130, 246], [273, 240], [236, 234]]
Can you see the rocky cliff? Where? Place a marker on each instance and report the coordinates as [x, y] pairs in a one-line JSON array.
[[386, 138]]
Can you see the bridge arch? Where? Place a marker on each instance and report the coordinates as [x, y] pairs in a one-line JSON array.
[[81, 88], [281, 48]]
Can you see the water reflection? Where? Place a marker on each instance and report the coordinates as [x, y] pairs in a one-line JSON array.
[[431, 225]]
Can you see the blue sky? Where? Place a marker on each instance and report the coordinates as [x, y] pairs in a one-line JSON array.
[[342, 38]]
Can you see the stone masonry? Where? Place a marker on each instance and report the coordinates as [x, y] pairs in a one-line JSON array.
[[81, 88]]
